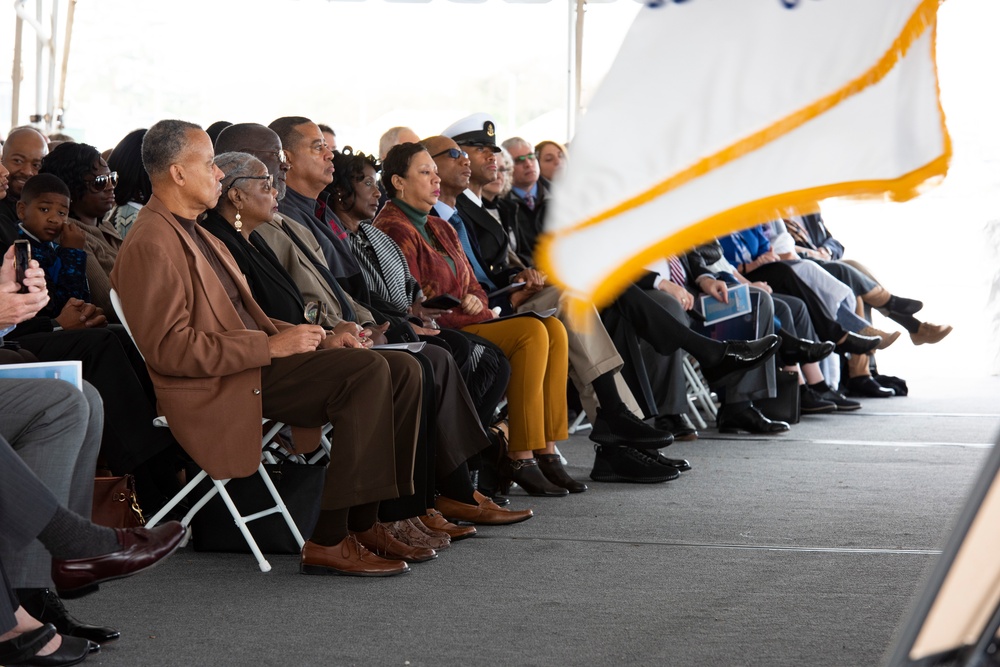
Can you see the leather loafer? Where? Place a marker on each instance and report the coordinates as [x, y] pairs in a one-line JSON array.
[[409, 533], [380, 542], [72, 651], [486, 512], [26, 645], [866, 386], [348, 557], [434, 520], [751, 421], [142, 548], [887, 338], [858, 344], [741, 356]]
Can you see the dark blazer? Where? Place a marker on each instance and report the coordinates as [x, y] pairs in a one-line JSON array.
[[821, 237], [270, 284], [528, 224]]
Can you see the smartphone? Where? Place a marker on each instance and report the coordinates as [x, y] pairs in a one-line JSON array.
[[442, 302], [22, 255]]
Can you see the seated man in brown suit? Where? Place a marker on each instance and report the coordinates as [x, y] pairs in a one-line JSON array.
[[219, 364]]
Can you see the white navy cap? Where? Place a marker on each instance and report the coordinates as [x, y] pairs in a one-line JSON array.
[[475, 130]]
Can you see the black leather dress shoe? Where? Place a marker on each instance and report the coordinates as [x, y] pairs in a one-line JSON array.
[[866, 386], [742, 355], [45, 605], [25, 645], [803, 351], [675, 424], [680, 465], [72, 651], [858, 344], [750, 421]]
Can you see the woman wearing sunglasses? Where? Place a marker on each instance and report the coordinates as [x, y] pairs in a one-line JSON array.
[[249, 200], [92, 194]]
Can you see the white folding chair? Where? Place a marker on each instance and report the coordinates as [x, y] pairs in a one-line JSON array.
[[580, 423], [698, 393], [219, 485]]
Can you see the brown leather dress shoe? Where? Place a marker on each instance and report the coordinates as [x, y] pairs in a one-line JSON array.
[[142, 548], [486, 512], [930, 333], [348, 557], [380, 542], [409, 534], [436, 521]]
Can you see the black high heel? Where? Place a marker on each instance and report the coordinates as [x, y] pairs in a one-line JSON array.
[[552, 467], [528, 476]]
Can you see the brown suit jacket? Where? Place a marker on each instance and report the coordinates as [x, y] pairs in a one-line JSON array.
[[204, 363]]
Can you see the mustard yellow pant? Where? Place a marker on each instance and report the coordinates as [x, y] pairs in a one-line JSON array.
[[538, 350]]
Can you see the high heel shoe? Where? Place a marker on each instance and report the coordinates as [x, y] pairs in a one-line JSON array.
[[527, 475], [554, 471]]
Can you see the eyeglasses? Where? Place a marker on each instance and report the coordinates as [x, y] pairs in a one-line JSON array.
[[267, 178], [502, 170], [279, 154], [521, 159], [453, 153], [315, 312], [100, 183]]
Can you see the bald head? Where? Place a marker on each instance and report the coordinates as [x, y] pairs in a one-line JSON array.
[[22, 156], [261, 142], [393, 137]]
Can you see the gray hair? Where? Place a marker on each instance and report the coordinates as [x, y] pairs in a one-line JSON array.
[[163, 144], [508, 163], [236, 165], [509, 144]]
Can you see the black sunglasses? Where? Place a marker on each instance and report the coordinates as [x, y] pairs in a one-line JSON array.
[[100, 183], [453, 153]]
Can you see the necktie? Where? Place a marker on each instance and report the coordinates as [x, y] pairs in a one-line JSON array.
[[463, 236], [529, 199], [677, 273]]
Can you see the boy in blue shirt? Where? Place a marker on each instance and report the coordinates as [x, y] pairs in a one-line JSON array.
[[56, 243]]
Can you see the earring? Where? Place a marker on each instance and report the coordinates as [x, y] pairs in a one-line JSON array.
[[238, 224]]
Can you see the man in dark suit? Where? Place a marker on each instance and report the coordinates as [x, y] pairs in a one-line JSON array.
[[22, 158]]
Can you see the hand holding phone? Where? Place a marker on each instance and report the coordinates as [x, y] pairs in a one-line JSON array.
[[22, 255]]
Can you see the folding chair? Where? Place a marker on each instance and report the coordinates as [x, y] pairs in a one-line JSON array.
[[219, 485], [698, 393]]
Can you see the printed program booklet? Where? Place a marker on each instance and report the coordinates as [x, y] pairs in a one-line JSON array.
[[716, 311], [71, 371]]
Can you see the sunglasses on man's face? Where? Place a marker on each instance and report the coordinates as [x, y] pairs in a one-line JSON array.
[[100, 183], [453, 153], [520, 159]]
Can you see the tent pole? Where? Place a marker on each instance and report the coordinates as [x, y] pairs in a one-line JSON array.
[[50, 104], [15, 76], [578, 90], [70, 13]]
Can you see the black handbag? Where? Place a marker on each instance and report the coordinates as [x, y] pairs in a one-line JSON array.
[[785, 406], [300, 487]]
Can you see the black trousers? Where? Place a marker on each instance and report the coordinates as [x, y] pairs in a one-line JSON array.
[[783, 279], [113, 365]]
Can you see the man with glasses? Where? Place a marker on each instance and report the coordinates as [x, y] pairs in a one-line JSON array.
[[528, 195], [22, 157]]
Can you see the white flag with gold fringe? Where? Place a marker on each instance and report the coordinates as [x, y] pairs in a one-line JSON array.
[[719, 114]]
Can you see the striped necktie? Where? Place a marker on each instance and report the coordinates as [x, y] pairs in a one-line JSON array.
[[677, 273]]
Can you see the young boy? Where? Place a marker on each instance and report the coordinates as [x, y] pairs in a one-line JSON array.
[[56, 243]]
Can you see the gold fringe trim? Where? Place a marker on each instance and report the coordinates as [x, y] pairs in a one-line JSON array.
[[899, 189]]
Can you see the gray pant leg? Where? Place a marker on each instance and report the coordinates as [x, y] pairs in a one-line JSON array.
[[760, 382], [46, 422], [81, 492]]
